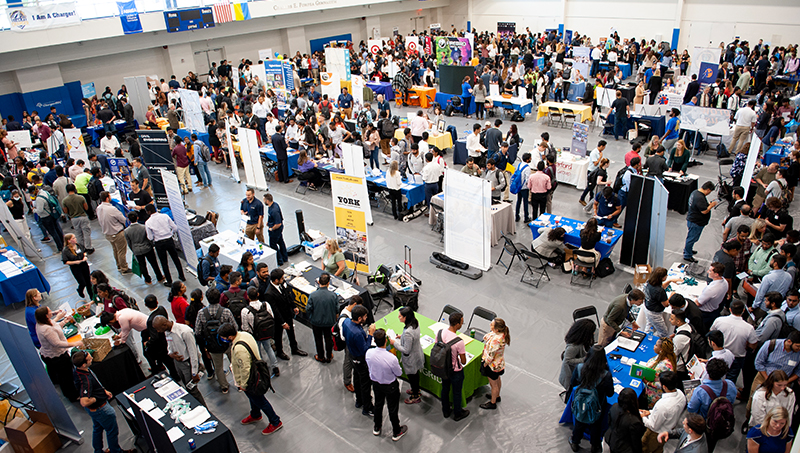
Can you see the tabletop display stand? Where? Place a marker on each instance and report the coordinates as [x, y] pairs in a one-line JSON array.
[[26, 246], [645, 222]]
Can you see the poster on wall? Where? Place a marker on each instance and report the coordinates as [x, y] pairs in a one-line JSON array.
[[349, 201], [506, 29], [129, 17], [580, 56], [580, 138], [75, 145], [43, 17], [453, 51], [88, 90]]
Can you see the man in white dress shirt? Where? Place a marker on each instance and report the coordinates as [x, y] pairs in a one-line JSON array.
[[181, 346], [160, 229], [710, 300], [474, 148]]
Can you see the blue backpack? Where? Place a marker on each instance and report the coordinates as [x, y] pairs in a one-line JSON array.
[[516, 180], [586, 404]]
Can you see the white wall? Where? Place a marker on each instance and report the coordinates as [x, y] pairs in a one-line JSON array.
[[487, 13], [631, 18], [107, 71]]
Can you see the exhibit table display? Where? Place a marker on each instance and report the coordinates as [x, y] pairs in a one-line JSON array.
[[384, 88], [413, 191], [293, 154], [302, 278], [583, 112], [443, 98], [679, 188], [573, 228], [426, 95], [776, 153], [230, 251], [520, 104], [202, 136], [570, 169], [441, 141], [502, 218], [97, 132], [18, 275]]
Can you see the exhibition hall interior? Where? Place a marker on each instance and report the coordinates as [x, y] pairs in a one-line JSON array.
[[247, 226]]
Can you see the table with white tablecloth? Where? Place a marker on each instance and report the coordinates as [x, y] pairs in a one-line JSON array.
[[570, 169], [520, 104], [502, 218], [689, 287], [230, 252]]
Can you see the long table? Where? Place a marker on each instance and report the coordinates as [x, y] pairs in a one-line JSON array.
[[585, 111], [424, 94], [570, 169], [658, 123], [502, 218], [230, 252], [626, 68], [414, 193], [576, 91], [269, 151], [384, 88], [522, 105], [97, 132], [775, 154], [13, 288], [679, 192], [311, 275], [202, 136], [473, 379], [573, 237], [443, 98], [441, 141]]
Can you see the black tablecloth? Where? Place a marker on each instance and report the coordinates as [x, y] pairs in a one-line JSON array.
[[220, 441], [460, 153], [301, 298], [118, 370], [628, 92], [679, 192]]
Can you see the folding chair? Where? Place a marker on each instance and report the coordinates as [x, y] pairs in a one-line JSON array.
[[512, 249], [448, 310], [569, 114], [588, 312], [326, 180], [554, 113], [482, 313], [302, 186], [725, 173], [378, 286], [270, 167], [541, 270], [584, 264]]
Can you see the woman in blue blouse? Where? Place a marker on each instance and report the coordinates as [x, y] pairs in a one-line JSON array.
[[774, 435], [466, 95], [672, 129], [247, 268]]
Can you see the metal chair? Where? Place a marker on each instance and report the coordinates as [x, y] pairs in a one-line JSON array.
[[378, 286], [584, 264], [512, 249], [725, 173], [482, 313], [541, 270], [569, 115], [554, 113], [588, 312], [302, 186], [448, 310], [270, 167]]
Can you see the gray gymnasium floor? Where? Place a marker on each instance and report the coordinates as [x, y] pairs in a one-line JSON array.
[[316, 409]]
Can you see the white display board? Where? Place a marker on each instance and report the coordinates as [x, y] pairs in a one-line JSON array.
[[750, 164], [75, 145], [330, 84], [173, 190], [192, 111], [337, 61], [412, 44], [581, 60], [232, 156], [467, 219], [21, 237], [703, 55], [353, 163], [138, 96], [605, 96], [21, 138], [358, 84], [705, 119], [251, 158]]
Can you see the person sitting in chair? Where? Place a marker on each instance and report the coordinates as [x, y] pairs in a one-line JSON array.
[[308, 171], [550, 243], [590, 236]]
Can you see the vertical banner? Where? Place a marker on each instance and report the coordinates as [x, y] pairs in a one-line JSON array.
[[129, 17], [350, 202], [358, 84], [232, 155], [428, 45], [374, 46], [254, 156], [467, 219], [708, 73], [75, 145], [353, 163], [173, 190], [567, 37], [337, 61], [192, 111], [156, 156], [412, 44], [580, 56], [453, 51], [330, 84], [750, 164], [288, 76], [275, 79], [244, 152], [580, 137]]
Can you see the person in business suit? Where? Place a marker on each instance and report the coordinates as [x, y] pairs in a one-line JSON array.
[[279, 145], [281, 300], [154, 344], [691, 90], [693, 439]]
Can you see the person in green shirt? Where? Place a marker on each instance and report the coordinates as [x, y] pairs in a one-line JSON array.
[[679, 158], [616, 314], [82, 188], [758, 266]]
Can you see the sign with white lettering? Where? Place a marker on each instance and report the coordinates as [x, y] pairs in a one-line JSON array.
[[34, 18]]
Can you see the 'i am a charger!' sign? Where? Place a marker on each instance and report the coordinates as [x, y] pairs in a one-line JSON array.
[[43, 17]]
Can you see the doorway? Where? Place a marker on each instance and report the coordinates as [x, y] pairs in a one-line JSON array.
[[419, 23], [204, 58]]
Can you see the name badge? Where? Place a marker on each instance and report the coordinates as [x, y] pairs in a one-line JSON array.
[[792, 362], [77, 250], [611, 205]]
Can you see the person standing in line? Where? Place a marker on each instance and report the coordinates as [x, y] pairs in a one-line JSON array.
[[411, 348], [202, 156], [182, 165], [774, 434], [75, 207], [275, 229], [142, 248], [394, 181], [95, 399], [48, 215], [183, 351], [384, 369], [347, 363], [456, 381], [665, 413], [593, 373], [54, 351], [692, 439], [524, 168], [625, 428], [697, 218], [73, 256], [154, 344], [254, 210], [272, 288], [493, 364], [595, 158], [621, 114], [210, 317], [160, 229], [321, 310], [358, 342], [113, 224], [256, 317]]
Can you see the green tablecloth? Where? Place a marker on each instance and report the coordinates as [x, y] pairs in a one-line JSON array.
[[473, 379]]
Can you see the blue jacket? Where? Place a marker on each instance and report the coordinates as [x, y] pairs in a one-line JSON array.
[[701, 401], [322, 308], [357, 340], [221, 284], [209, 267]]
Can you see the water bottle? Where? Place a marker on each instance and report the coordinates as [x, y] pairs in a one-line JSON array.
[[472, 333]]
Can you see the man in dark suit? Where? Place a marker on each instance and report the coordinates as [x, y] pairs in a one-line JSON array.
[[691, 90], [154, 344], [281, 300], [279, 145]]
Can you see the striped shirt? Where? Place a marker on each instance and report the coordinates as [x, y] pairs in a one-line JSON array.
[[779, 359]]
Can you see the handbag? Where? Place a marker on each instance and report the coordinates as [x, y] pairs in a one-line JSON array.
[[135, 267]]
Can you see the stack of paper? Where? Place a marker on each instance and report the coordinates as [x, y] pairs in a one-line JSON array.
[[170, 391], [426, 340], [195, 417]]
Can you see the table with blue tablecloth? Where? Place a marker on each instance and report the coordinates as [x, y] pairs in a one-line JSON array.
[[573, 236], [97, 132], [384, 88], [460, 153], [576, 91], [443, 98], [13, 288], [621, 372], [202, 136], [414, 193], [658, 123], [270, 153], [520, 104], [626, 68], [775, 154]]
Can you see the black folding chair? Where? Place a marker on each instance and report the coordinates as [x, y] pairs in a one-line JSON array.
[[482, 313], [448, 310], [584, 264], [540, 270], [588, 312], [512, 249], [554, 113], [569, 115]]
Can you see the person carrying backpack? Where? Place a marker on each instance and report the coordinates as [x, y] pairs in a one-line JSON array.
[[207, 326], [713, 400], [208, 266], [261, 322], [234, 298], [247, 370], [49, 211], [519, 185], [591, 386], [454, 367]]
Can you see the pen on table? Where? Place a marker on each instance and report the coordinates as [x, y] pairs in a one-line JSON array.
[[139, 389]]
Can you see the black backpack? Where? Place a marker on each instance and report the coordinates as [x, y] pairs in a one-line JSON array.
[[130, 302], [92, 189], [442, 357], [200, 270], [697, 345], [387, 128], [618, 179], [604, 268], [338, 343], [236, 304], [211, 331], [259, 381], [263, 323]]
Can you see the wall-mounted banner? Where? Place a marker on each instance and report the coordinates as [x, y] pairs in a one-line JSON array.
[[129, 17], [88, 90], [350, 201], [43, 17], [453, 51], [506, 29]]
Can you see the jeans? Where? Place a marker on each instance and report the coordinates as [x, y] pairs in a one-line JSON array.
[[202, 170], [465, 104], [52, 225], [413, 379], [391, 394], [323, 334], [607, 222], [164, 247], [273, 361], [595, 67], [143, 259], [362, 383], [620, 125], [396, 197], [522, 199], [623, 198], [431, 189], [736, 367], [456, 381], [258, 404], [104, 419], [276, 243], [656, 323], [692, 236], [374, 160], [480, 111]]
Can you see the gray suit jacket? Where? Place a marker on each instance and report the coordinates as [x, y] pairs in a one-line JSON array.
[[701, 446]]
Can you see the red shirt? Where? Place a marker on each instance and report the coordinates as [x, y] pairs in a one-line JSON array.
[[630, 155], [179, 306], [114, 304]]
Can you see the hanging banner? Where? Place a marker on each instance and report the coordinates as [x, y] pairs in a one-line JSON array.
[[453, 51], [506, 29], [88, 90], [580, 138], [349, 202], [374, 46], [708, 73], [75, 145], [580, 57], [34, 18], [173, 190], [330, 84], [129, 17], [412, 44], [706, 119], [265, 54]]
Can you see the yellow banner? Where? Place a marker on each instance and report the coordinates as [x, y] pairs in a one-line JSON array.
[[350, 199]]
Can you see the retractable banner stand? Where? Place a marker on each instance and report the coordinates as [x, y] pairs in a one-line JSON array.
[[353, 162], [75, 145], [31, 372], [138, 96], [580, 55], [253, 169], [705, 119], [173, 190], [232, 155], [350, 208], [645, 223], [17, 233], [330, 84], [192, 111], [337, 60], [412, 44], [358, 83], [467, 219], [580, 138], [750, 164], [156, 156]]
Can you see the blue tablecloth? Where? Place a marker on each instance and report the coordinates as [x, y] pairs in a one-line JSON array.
[[576, 90], [622, 372], [442, 98], [626, 68], [573, 237], [460, 152], [203, 136], [78, 121], [658, 123], [270, 153], [97, 131], [775, 154], [523, 109], [414, 193], [384, 88], [13, 288]]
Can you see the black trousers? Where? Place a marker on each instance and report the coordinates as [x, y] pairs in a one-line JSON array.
[[164, 247], [60, 368], [397, 202], [143, 259], [52, 226], [413, 379], [207, 362], [363, 384], [538, 204], [283, 170], [391, 394], [158, 358], [82, 276], [278, 339], [90, 211], [320, 334]]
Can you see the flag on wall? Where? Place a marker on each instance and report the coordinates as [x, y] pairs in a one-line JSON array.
[[241, 11], [222, 12]]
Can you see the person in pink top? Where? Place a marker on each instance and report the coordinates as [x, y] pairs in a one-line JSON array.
[[456, 381], [637, 147], [124, 321]]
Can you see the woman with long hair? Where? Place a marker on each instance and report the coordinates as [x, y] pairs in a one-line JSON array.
[[590, 236], [308, 170], [247, 267], [625, 426], [178, 302], [95, 278], [593, 373], [190, 319], [579, 338], [757, 229], [664, 360], [493, 364], [394, 181], [679, 158], [55, 351], [774, 434], [411, 350], [550, 243], [77, 260], [774, 392], [655, 301]]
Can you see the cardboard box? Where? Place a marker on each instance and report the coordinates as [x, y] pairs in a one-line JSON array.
[[36, 435], [641, 273]]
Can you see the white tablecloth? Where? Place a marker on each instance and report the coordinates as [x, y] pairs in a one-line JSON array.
[[688, 292], [570, 169], [502, 218], [231, 253]]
